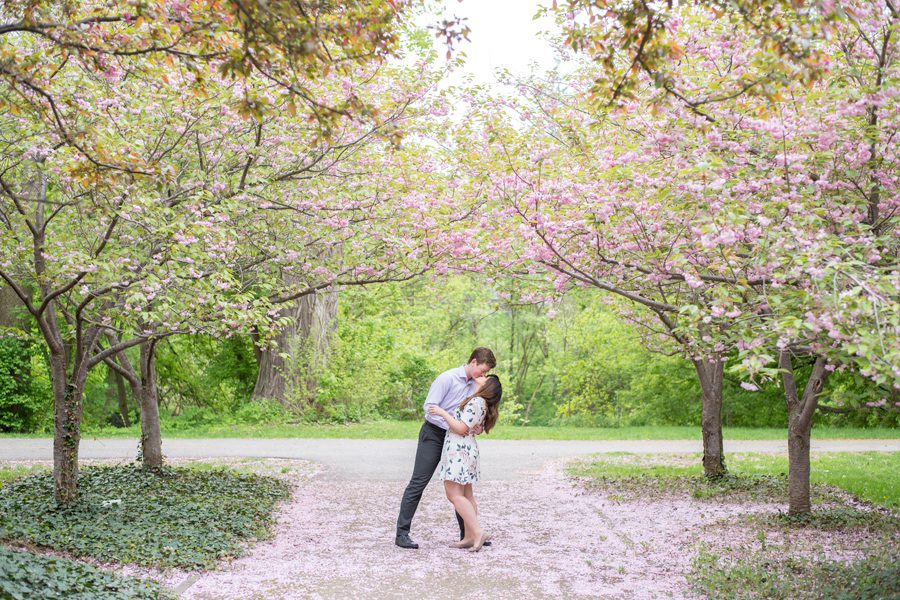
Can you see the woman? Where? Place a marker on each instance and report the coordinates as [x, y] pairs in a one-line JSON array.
[[459, 458]]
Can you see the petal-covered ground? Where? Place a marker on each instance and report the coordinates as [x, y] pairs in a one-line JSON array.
[[551, 539]]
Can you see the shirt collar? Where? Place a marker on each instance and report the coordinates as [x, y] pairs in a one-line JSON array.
[[461, 373]]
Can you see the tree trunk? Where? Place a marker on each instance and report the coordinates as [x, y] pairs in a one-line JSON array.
[[288, 371], [66, 400], [530, 404], [67, 408], [123, 400], [151, 436], [270, 381], [69, 360], [800, 421], [9, 305], [143, 387], [67, 390], [117, 395], [798, 467], [710, 372]]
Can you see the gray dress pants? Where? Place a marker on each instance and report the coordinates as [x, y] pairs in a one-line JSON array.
[[428, 456]]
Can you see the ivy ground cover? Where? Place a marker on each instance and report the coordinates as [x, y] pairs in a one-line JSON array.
[[24, 575], [175, 517]]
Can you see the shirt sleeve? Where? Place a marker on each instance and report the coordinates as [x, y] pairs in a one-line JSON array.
[[472, 414], [436, 392]]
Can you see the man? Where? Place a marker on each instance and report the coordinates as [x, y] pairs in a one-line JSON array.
[[447, 391]]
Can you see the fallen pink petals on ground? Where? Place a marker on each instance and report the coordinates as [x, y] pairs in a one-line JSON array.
[[551, 539]]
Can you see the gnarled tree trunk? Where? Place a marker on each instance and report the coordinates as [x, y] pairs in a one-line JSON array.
[[710, 372], [800, 420], [287, 371]]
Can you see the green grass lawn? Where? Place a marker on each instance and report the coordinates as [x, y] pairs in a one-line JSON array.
[[8, 473], [871, 476], [409, 430]]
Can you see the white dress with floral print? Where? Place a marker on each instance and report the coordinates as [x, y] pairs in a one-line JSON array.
[[459, 458]]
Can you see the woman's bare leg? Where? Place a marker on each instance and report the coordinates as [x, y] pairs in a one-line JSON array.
[[465, 508], [469, 493]]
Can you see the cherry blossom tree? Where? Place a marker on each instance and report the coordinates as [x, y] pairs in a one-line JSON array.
[[593, 199], [636, 41], [129, 143], [762, 223], [838, 307], [290, 45]]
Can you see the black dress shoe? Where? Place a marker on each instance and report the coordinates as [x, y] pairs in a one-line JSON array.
[[404, 541]]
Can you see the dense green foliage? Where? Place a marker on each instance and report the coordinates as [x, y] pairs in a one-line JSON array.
[[178, 517], [870, 476], [24, 575], [198, 375], [573, 363], [24, 398]]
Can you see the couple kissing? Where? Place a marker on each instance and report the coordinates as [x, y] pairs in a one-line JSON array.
[[461, 403]]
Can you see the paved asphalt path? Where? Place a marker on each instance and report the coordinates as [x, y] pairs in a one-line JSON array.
[[392, 460]]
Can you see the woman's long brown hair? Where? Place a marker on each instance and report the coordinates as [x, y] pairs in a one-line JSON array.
[[492, 392]]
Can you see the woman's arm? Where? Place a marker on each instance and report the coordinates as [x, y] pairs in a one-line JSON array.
[[456, 426]]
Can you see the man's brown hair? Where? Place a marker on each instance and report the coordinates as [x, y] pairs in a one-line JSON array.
[[482, 356]]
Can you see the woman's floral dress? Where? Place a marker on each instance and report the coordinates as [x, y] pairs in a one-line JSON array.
[[459, 458]]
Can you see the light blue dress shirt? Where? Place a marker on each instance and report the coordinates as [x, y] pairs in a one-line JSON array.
[[447, 391]]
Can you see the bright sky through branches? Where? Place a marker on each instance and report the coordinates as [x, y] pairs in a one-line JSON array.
[[504, 35]]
